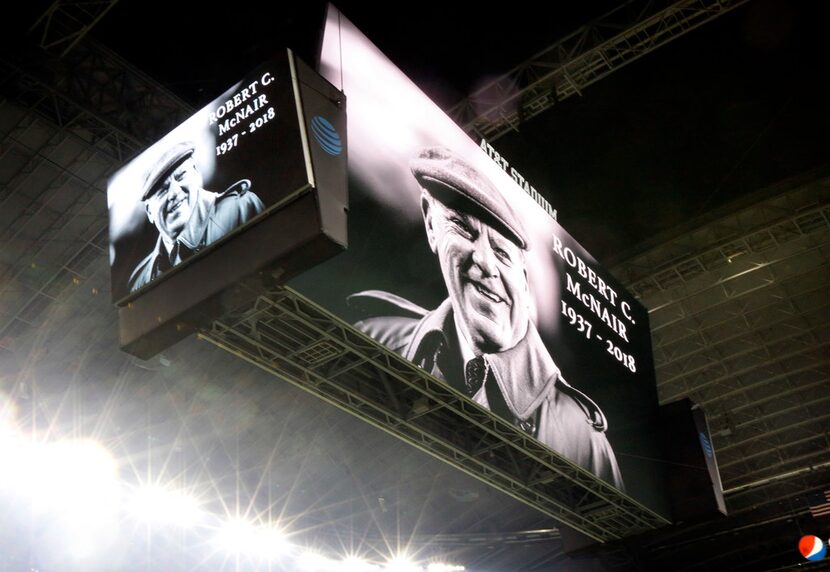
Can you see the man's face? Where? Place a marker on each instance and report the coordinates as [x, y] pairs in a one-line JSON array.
[[171, 201], [485, 276]]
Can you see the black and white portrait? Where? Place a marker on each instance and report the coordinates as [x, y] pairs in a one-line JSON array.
[[454, 264], [208, 178], [187, 216], [170, 211], [481, 339]]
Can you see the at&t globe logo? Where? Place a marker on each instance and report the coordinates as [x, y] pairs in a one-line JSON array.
[[812, 547], [326, 135]]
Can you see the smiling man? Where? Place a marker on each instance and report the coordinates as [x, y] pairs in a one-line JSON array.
[[481, 339], [187, 217]]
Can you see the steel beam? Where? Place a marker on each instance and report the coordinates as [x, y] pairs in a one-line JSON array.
[[294, 339], [585, 56], [67, 22]]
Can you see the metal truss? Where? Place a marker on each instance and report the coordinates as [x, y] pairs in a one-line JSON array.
[[738, 307], [524, 537], [56, 217], [296, 340], [93, 95], [587, 55], [67, 94], [96, 95], [795, 209], [37, 92], [67, 22]]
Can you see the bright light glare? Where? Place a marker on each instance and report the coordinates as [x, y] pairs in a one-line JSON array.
[[441, 567], [12, 448], [8, 413], [12, 457], [312, 561], [236, 536], [156, 505], [271, 543], [81, 544], [74, 485], [75, 479], [401, 564], [242, 537], [355, 564]]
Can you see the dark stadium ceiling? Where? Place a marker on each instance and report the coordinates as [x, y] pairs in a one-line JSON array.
[[729, 109]]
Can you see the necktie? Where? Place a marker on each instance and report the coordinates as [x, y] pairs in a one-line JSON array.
[[174, 254], [475, 373], [179, 253]]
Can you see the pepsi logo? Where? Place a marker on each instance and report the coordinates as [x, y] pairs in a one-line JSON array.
[[326, 135], [812, 547]]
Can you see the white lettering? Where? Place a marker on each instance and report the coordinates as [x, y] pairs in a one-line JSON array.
[[595, 306], [514, 174], [570, 257], [573, 287], [585, 271], [626, 310], [241, 114], [236, 101]]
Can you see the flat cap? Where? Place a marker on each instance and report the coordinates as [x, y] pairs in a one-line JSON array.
[[166, 163], [452, 180]]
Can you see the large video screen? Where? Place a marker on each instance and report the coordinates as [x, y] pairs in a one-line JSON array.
[[211, 176], [458, 269]]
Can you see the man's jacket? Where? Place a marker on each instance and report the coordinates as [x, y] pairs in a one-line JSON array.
[[523, 384], [214, 215]]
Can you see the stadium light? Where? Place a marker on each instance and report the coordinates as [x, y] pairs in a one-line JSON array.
[[236, 536], [401, 563], [73, 485], [75, 479], [271, 543], [313, 562]]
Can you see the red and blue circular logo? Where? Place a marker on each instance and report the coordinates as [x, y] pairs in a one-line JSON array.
[[812, 547]]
